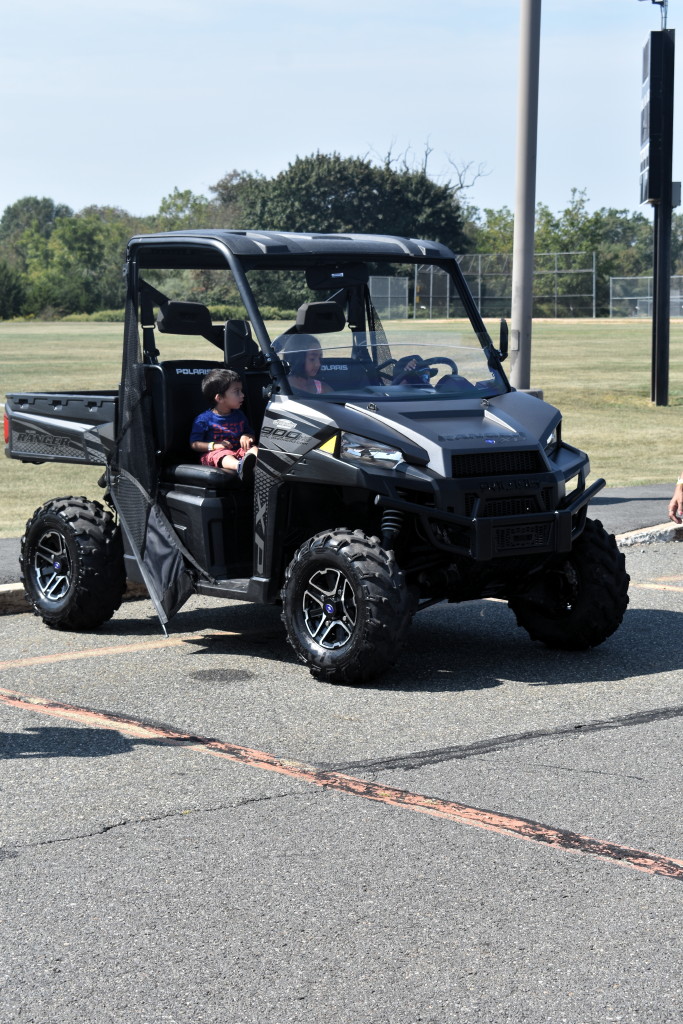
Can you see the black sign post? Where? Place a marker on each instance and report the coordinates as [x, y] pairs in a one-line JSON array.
[[656, 150]]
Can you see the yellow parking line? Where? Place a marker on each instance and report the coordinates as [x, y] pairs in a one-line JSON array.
[[98, 652], [656, 586]]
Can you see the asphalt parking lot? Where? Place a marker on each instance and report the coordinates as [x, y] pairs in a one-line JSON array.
[[195, 830]]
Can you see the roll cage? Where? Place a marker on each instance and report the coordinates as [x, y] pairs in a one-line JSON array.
[[335, 267]]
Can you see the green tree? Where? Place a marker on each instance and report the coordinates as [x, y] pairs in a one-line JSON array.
[[621, 240], [677, 243], [28, 212], [185, 210], [11, 291], [241, 196], [493, 234], [28, 222], [78, 269], [329, 193]]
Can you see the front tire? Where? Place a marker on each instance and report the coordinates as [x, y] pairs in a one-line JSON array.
[[345, 606], [72, 563], [580, 599]]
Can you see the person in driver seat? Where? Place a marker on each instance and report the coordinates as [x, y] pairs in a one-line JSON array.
[[304, 356], [412, 370]]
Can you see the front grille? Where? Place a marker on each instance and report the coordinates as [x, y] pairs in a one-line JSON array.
[[514, 506], [497, 463], [510, 507]]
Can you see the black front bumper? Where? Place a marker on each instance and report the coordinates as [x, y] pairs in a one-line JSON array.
[[484, 538]]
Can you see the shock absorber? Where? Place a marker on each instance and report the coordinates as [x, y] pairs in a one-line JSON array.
[[392, 521]]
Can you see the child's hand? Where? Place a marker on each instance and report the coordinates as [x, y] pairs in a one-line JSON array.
[[246, 442]]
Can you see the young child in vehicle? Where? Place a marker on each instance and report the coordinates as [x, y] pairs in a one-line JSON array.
[[223, 435], [304, 355]]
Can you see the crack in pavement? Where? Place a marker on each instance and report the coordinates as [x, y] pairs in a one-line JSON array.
[[526, 766], [11, 850]]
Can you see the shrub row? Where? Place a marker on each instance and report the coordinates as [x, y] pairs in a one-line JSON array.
[[218, 313]]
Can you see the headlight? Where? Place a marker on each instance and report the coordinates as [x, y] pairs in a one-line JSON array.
[[353, 447], [552, 442]]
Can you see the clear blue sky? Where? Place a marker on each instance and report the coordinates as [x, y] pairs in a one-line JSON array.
[[117, 103]]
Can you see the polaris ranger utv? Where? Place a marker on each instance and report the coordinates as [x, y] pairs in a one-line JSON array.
[[411, 473]]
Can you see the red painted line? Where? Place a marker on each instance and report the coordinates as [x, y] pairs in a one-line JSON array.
[[475, 817]]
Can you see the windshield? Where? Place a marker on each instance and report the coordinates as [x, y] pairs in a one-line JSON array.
[[419, 361], [352, 343]]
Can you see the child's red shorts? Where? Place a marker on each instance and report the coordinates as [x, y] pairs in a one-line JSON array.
[[214, 458]]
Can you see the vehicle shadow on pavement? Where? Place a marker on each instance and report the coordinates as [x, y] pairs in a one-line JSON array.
[[473, 646], [477, 653], [241, 618], [49, 741]]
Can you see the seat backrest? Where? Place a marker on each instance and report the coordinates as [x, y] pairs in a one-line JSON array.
[[188, 318], [320, 318], [176, 390], [240, 350], [344, 374]]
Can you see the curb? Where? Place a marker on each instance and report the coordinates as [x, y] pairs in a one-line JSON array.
[[650, 535], [13, 600]]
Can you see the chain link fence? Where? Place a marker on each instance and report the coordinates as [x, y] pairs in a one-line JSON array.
[[390, 297], [632, 296], [564, 283], [564, 286]]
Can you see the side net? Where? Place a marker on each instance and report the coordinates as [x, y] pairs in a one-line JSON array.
[[381, 345], [134, 482]]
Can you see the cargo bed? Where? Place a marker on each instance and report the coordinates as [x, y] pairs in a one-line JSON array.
[[61, 426]]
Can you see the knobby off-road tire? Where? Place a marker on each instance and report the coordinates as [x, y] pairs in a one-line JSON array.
[[345, 606], [584, 594], [72, 563]]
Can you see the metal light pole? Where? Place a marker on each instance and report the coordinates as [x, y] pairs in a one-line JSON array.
[[657, 188], [525, 199]]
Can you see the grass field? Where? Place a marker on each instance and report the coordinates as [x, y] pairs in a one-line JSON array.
[[596, 371]]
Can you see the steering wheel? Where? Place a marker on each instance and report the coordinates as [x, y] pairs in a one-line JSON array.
[[420, 364]]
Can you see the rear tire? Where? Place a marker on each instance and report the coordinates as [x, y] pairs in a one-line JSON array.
[[72, 563], [346, 606], [581, 597]]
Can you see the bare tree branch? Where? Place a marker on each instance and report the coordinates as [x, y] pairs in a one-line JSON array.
[[465, 174]]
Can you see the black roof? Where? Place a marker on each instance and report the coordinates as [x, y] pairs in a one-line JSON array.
[[206, 247]]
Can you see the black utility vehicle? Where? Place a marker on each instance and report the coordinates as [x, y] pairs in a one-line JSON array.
[[401, 471]]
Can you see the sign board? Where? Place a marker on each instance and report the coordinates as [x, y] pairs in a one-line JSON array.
[[656, 117]]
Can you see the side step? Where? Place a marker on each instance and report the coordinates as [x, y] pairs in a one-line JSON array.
[[225, 587]]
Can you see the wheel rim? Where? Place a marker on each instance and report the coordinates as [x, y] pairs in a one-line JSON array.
[[329, 609], [51, 566], [566, 589]]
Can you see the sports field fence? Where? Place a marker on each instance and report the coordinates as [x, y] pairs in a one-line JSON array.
[[632, 296], [564, 286]]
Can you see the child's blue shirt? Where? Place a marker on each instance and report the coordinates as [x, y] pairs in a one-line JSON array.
[[209, 426]]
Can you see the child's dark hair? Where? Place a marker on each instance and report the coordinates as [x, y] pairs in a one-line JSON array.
[[217, 382], [295, 350]]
